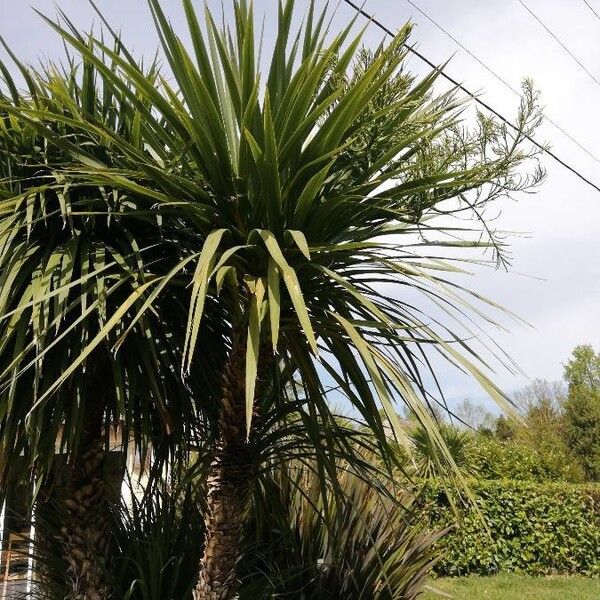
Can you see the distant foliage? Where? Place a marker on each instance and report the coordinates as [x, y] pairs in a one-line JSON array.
[[493, 458], [474, 415], [542, 444], [538, 529], [486, 456]]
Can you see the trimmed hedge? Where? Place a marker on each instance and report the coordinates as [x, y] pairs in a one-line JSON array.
[[533, 528]]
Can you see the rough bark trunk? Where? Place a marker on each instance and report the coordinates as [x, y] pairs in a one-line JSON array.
[[85, 531], [228, 486]]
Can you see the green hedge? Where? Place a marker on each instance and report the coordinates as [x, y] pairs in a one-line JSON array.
[[522, 527]]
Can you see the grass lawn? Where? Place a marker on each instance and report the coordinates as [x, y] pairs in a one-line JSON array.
[[516, 587]]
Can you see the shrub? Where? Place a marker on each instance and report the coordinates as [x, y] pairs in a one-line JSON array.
[[158, 544], [299, 542], [354, 545], [491, 458], [521, 527]]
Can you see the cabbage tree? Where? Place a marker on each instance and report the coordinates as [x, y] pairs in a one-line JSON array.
[[323, 203], [70, 264]]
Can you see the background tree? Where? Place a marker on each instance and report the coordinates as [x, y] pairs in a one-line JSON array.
[[474, 415], [542, 408], [309, 202], [582, 408]]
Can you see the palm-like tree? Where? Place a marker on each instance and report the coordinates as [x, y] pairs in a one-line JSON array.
[[71, 262], [426, 459], [314, 204]]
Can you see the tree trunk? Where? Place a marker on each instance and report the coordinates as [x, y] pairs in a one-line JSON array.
[[85, 530], [85, 533], [228, 486]]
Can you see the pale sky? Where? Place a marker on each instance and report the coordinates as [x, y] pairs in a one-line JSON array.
[[555, 278]]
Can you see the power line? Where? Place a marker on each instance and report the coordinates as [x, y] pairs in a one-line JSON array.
[[499, 77], [471, 95], [591, 8], [591, 75]]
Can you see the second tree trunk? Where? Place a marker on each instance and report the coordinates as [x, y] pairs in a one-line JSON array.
[[228, 487]]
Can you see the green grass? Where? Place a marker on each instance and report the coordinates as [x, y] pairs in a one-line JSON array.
[[516, 587]]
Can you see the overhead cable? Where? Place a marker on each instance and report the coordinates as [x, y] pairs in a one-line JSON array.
[[474, 97], [499, 77], [558, 40]]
